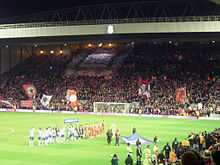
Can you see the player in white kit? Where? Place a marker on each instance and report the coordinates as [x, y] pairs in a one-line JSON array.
[[50, 136], [46, 133], [54, 135], [40, 137], [62, 135], [31, 137], [68, 134], [75, 133], [43, 137]]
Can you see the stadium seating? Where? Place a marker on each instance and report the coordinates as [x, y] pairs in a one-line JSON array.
[[167, 67]]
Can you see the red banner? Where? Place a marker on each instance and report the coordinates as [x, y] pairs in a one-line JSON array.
[[181, 95], [29, 90], [72, 98], [26, 103]]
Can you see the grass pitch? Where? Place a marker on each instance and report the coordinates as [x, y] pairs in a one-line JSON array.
[[14, 130]]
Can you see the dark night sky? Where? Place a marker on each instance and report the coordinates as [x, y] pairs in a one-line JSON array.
[[10, 8], [21, 7]]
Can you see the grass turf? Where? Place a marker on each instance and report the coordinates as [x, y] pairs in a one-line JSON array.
[[14, 129]]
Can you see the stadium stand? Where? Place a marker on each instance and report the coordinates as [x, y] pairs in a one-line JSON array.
[[164, 67]]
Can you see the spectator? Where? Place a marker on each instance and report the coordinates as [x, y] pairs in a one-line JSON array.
[[215, 157], [191, 158]]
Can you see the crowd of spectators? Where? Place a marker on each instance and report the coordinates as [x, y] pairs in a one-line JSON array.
[[195, 149], [165, 66]]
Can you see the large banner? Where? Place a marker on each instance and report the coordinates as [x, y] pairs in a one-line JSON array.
[[26, 104], [72, 99], [181, 95], [29, 90]]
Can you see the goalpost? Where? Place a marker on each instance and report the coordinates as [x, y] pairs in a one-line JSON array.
[[111, 107]]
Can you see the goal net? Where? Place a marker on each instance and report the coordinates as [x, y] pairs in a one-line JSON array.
[[111, 107]]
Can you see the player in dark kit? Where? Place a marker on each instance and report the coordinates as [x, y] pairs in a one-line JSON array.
[[109, 135]]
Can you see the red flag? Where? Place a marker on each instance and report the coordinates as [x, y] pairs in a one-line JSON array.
[[72, 98], [181, 95], [29, 90]]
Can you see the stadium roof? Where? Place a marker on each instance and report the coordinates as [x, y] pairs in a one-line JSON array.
[[47, 11], [216, 1]]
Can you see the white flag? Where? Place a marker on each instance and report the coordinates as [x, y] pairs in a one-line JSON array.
[[142, 89], [45, 100], [148, 87], [147, 94], [6, 103], [200, 105]]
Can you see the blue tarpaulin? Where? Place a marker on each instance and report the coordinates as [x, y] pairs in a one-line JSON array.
[[133, 139]]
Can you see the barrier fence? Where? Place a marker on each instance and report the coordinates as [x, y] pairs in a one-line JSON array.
[[112, 21]]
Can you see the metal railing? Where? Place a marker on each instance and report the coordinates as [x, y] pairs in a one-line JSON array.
[[112, 21]]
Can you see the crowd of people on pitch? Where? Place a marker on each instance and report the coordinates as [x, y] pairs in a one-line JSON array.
[[54, 135], [196, 149], [167, 67], [51, 135]]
